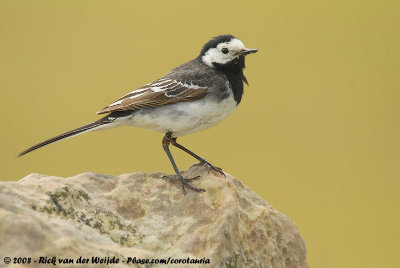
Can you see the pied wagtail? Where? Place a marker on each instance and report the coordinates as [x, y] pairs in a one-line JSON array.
[[194, 96]]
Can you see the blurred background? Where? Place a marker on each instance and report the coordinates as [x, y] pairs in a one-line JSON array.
[[316, 135]]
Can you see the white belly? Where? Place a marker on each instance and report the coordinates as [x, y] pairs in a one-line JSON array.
[[185, 117]]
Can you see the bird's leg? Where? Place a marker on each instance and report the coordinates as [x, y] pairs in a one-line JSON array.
[[184, 182], [202, 160]]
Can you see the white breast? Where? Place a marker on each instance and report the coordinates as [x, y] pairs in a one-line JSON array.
[[185, 117]]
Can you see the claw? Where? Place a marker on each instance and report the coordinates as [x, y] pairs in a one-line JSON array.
[[191, 187], [185, 182], [174, 178], [216, 169]]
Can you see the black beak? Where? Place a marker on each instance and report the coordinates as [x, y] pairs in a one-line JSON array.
[[248, 51]]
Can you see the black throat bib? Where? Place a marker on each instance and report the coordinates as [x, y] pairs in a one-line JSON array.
[[233, 70]]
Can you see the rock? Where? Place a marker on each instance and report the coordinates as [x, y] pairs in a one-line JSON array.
[[145, 216]]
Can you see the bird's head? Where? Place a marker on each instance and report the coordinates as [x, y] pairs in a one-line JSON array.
[[224, 50]]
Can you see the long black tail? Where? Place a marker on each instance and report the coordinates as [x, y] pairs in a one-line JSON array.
[[111, 118], [65, 135]]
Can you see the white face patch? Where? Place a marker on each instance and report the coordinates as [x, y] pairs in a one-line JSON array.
[[217, 55]]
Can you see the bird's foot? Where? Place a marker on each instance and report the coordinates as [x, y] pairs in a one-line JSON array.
[[214, 168], [184, 182]]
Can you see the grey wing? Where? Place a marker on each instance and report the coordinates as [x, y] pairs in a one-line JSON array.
[[158, 93]]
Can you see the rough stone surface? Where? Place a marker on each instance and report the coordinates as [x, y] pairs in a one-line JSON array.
[[144, 216]]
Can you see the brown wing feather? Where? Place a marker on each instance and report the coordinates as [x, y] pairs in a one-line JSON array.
[[150, 98]]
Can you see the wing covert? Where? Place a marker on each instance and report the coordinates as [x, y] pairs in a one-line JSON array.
[[158, 93]]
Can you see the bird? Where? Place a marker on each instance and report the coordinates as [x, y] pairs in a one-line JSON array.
[[191, 97]]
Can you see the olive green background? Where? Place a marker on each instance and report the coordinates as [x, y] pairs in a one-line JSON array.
[[316, 134]]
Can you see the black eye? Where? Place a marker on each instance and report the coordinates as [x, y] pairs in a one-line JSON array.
[[225, 50]]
